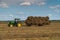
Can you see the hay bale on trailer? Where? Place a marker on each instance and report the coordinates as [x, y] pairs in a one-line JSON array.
[[29, 21], [47, 20], [37, 21]]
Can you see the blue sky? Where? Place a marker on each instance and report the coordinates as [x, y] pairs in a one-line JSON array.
[[10, 9]]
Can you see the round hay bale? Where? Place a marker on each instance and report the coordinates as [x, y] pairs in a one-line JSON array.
[[37, 20]]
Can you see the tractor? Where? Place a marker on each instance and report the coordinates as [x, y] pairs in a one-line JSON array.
[[15, 23]]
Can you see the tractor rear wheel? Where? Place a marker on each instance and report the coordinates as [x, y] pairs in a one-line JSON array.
[[19, 25]]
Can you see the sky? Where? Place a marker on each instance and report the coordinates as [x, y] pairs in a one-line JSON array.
[[10, 9]]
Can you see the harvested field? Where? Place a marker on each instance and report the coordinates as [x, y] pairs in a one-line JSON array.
[[45, 32]]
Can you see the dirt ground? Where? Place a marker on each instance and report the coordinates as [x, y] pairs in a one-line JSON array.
[[46, 32]]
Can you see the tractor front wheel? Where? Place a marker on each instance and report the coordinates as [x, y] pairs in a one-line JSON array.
[[10, 25]]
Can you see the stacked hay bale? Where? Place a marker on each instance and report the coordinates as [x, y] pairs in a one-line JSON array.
[[28, 21], [37, 21], [46, 20]]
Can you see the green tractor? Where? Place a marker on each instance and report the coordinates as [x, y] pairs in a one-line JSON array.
[[15, 23]]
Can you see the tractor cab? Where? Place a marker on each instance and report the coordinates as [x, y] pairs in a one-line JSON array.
[[15, 23]]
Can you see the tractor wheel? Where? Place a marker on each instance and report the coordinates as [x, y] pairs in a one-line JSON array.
[[19, 25], [29, 24], [8, 25], [11, 25], [40, 24]]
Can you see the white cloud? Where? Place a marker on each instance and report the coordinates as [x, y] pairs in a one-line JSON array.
[[55, 8], [49, 15], [35, 2], [25, 3], [5, 16], [41, 3], [11, 15], [3, 5], [20, 13], [23, 17]]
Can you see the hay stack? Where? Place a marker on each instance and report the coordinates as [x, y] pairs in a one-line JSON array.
[[37, 21]]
